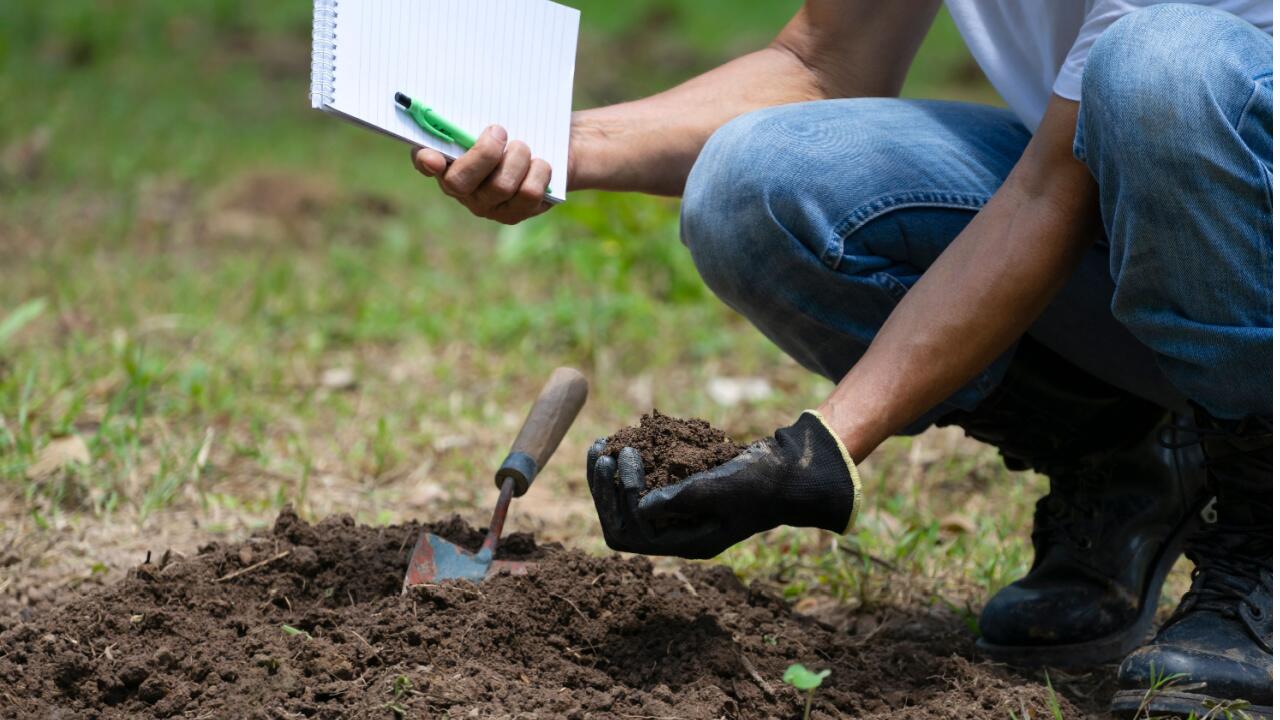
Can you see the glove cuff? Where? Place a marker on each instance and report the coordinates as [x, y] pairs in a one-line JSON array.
[[825, 490]]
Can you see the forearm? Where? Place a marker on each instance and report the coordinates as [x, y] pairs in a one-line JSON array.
[[649, 145], [980, 295], [830, 49]]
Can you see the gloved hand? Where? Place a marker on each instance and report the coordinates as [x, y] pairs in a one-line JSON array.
[[802, 476]]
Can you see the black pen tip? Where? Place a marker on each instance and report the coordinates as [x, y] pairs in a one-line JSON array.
[[403, 100]]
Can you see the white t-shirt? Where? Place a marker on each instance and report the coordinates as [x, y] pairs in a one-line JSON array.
[[1032, 48]]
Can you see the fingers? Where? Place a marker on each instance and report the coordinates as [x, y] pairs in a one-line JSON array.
[[605, 495], [428, 161], [593, 453], [631, 477], [494, 179], [505, 181], [694, 498], [467, 172], [631, 471], [617, 487], [529, 200]]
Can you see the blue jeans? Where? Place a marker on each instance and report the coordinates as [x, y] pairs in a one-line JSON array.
[[814, 220]]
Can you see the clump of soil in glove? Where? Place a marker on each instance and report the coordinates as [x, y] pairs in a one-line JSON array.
[[674, 448]]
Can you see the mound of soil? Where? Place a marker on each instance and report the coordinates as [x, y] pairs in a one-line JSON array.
[[674, 448], [308, 621]]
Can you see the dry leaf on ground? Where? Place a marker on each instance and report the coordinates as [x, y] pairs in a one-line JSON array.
[[59, 453], [958, 523]]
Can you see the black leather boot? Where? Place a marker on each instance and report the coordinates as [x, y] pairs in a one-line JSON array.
[[1215, 651], [1120, 507]]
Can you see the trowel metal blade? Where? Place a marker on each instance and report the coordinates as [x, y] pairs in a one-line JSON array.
[[435, 559]]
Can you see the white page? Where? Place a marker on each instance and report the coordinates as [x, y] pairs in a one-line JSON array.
[[476, 62]]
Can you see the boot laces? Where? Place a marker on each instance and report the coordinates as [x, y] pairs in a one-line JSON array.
[[1068, 512], [1230, 560], [1231, 557]]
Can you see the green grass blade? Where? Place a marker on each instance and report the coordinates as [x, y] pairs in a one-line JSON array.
[[1052, 700], [20, 318]]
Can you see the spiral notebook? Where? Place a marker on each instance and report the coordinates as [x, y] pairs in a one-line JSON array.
[[476, 62]]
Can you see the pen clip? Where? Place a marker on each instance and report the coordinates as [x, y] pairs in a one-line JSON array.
[[422, 115], [425, 123]]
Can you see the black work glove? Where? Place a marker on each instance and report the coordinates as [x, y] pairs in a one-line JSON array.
[[802, 476]]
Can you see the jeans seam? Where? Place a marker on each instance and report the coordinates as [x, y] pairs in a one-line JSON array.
[[1078, 147], [1253, 97], [885, 204], [1259, 165]]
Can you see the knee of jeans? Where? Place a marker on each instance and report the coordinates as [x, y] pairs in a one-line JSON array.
[[1156, 74], [726, 216]]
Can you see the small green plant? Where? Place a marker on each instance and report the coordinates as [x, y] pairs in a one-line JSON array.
[[1227, 710], [1156, 683], [805, 680], [1051, 701], [401, 687]]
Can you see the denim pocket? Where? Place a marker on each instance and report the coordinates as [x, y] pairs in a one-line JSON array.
[[891, 284], [859, 217]]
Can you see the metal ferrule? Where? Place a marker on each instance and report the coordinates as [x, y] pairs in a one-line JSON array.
[[521, 468]]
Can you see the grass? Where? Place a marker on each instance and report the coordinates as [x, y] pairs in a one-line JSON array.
[[908, 547], [1052, 706], [1160, 682], [238, 303], [401, 689]]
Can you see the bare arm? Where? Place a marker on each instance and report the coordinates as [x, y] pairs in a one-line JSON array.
[[831, 48], [980, 295]]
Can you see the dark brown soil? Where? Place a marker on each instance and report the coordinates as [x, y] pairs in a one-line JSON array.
[[674, 448], [581, 637]]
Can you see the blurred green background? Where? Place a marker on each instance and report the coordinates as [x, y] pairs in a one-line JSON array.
[[160, 164]]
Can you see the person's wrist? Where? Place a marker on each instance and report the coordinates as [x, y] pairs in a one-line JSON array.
[[586, 142], [822, 488], [858, 432], [572, 173]]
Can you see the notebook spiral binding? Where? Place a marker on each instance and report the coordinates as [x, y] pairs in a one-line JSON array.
[[324, 46]]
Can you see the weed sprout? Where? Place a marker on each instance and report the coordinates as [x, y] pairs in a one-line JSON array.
[[805, 680]]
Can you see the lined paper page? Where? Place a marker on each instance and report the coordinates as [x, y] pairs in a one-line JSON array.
[[476, 62]]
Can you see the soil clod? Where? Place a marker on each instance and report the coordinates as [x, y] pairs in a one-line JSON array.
[[674, 448]]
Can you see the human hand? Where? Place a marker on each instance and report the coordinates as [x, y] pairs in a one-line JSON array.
[[495, 179], [802, 476]]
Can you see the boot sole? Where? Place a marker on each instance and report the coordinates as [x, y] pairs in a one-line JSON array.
[[1129, 703], [1117, 645]]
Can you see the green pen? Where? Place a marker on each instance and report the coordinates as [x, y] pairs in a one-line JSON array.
[[431, 121]]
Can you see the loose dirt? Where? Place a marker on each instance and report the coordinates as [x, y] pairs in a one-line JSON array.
[[308, 621], [674, 448]]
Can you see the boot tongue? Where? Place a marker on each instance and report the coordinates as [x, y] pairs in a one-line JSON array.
[[1239, 462], [1246, 515], [1232, 509], [1243, 522]]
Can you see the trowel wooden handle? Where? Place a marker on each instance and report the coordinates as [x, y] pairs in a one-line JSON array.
[[549, 419]]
